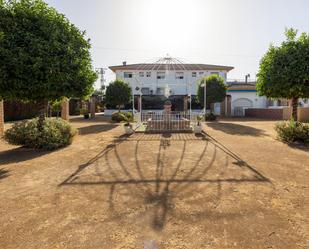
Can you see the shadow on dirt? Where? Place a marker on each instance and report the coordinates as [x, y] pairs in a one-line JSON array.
[[3, 173], [20, 154], [160, 190], [93, 129], [236, 129]]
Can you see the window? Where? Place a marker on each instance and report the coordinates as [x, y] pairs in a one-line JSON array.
[[148, 74], [141, 74], [179, 75], [161, 75], [160, 91], [145, 90], [200, 73], [193, 74], [214, 73], [128, 75]]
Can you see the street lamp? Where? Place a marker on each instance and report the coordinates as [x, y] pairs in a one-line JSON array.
[[204, 85]]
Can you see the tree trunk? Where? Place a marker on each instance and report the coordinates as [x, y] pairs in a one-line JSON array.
[[42, 104], [294, 108], [119, 108]]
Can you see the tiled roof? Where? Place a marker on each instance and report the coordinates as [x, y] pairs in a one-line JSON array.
[[163, 67], [241, 86]]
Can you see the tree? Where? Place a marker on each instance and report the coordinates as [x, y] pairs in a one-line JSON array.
[[118, 93], [284, 70], [43, 56], [215, 89]]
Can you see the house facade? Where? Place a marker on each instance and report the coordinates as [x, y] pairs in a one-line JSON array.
[[245, 101], [172, 79]]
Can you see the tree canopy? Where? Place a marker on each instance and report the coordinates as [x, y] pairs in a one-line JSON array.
[[215, 89], [284, 69], [118, 93], [43, 56]]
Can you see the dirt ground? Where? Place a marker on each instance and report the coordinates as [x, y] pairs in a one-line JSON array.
[[237, 187]]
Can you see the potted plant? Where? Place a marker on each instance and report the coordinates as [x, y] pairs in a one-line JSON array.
[[197, 128], [85, 112], [128, 127]]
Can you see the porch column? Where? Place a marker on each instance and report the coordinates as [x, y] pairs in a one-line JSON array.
[[92, 107], [1, 118], [65, 109]]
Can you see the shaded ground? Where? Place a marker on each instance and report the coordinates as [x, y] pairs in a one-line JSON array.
[[225, 190]]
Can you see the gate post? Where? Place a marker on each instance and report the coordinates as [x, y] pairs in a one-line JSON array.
[[65, 109], [1, 118], [92, 106]]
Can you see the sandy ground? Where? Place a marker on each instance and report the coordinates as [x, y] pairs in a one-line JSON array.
[[238, 187]]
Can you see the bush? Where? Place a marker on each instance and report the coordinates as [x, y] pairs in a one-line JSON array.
[[56, 133], [210, 117], [293, 131], [122, 117], [118, 116], [129, 116]]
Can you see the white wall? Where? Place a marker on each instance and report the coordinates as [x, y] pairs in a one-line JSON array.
[[177, 86], [257, 101]]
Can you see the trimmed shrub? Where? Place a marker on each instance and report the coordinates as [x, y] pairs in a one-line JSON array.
[[210, 117], [56, 133], [122, 117], [292, 131], [118, 116], [129, 116]]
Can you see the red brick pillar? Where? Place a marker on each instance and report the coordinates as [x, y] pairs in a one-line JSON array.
[[222, 107], [228, 105], [92, 107], [1, 118], [65, 109]]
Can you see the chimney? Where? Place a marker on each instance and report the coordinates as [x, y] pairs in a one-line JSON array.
[[124, 63]]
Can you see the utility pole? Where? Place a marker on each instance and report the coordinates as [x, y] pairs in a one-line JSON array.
[[101, 72]]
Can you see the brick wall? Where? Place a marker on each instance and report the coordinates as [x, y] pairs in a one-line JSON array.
[[264, 113]]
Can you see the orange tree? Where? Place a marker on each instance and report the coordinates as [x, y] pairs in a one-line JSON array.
[[43, 56], [284, 70]]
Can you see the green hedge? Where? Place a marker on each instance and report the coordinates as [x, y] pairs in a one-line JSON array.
[[56, 133]]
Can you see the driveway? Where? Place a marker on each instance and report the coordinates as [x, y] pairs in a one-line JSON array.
[[236, 187]]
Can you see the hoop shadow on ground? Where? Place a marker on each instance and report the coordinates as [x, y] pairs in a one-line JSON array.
[[159, 170], [236, 129]]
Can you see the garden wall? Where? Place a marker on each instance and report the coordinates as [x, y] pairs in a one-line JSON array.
[[278, 113], [265, 113], [302, 112], [16, 110]]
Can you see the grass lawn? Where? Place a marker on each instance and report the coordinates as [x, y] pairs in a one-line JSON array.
[[237, 187]]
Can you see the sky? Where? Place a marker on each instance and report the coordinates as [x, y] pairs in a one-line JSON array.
[[223, 32]]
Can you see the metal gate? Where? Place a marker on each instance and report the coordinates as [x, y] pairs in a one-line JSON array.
[[162, 122]]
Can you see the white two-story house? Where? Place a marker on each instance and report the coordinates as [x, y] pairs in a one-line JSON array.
[[166, 78]]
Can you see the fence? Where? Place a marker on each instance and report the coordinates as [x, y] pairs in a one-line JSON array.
[[174, 121]]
